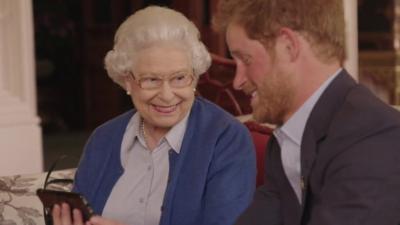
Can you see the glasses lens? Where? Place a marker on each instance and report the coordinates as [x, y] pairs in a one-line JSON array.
[[150, 82], [176, 81], [181, 81]]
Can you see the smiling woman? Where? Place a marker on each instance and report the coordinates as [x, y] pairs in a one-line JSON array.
[[173, 158]]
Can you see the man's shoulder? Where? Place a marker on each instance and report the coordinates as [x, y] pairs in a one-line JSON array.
[[362, 116], [362, 106], [348, 106]]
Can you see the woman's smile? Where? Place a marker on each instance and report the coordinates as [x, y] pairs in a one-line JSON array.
[[165, 109]]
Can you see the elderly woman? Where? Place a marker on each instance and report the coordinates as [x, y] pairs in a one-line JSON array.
[[176, 159]]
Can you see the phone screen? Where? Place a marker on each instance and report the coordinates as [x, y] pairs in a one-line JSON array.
[[76, 201]]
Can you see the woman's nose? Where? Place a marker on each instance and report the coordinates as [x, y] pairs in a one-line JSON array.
[[166, 92]]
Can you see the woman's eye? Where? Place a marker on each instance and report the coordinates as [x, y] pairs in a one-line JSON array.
[[150, 79], [180, 77]]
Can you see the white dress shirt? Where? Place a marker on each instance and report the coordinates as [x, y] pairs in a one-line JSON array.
[[290, 134]]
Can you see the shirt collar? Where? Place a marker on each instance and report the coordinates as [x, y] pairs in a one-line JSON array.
[[132, 130], [175, 135], [294, 127], [130, 136]]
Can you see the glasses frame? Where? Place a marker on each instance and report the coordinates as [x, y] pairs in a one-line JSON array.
[[163, 79]]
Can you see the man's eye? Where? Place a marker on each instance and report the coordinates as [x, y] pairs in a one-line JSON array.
[[246, 60]]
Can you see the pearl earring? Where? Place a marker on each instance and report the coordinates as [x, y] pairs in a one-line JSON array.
[[128, 93]]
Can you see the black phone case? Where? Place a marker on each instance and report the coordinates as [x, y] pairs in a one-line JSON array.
[[76, 201]]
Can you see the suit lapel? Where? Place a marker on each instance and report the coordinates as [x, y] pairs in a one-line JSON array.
[[318, 124]]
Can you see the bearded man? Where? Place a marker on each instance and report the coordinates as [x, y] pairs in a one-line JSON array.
[[334, 157]]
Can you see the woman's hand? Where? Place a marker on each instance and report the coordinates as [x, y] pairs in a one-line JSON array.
[[98, 220], [62, 215]]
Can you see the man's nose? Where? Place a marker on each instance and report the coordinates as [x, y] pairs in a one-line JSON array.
[[240, 78]]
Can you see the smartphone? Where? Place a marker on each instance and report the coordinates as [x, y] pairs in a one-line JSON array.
[[76, 201]]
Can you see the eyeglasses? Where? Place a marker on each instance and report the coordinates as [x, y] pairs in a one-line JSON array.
[[178, 80]]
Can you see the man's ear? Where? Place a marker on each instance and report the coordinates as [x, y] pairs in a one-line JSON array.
[[289, 40]]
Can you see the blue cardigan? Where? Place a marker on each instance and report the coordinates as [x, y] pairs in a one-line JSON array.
[[211, 181]]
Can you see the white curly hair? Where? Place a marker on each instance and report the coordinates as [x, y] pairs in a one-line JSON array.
[[150, 26]]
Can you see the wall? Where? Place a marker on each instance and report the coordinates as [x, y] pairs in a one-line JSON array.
[[350, 16], [20, 133]]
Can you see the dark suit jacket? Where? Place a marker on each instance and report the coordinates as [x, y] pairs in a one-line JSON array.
[[350, 165]]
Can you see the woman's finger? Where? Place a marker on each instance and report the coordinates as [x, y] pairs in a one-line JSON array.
[[56, 215], [66, 214], [77, 217]]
